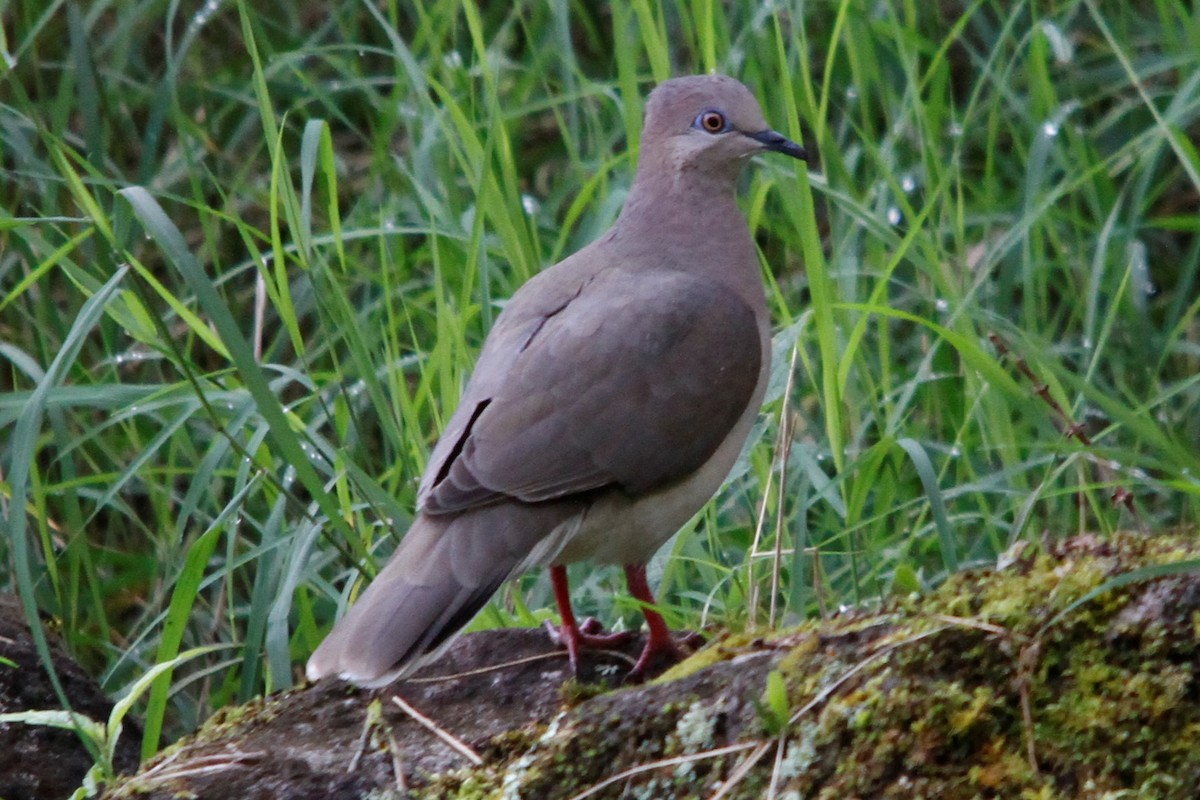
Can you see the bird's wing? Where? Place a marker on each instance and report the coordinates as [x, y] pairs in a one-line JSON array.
[[627, 380]]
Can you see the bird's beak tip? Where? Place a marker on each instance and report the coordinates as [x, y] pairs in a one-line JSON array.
[[778, 143]]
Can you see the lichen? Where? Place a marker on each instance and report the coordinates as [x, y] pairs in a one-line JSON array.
[[1023, 683], [695, 728], [1069, 675]]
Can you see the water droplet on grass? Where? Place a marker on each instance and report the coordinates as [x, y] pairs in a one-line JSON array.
[[1139, 273], [1060, 43], [201, 17]]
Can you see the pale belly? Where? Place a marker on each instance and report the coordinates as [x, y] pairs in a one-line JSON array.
[[619, 530]]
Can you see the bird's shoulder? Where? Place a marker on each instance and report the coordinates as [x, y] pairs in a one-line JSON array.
[[598, 376], [593, 285]]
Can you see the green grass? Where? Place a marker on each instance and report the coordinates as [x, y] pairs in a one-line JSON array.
[[248, 254]]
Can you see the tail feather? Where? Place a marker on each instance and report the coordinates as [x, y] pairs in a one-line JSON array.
[[444, 571]]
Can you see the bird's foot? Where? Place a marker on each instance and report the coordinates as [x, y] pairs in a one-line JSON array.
[[585, 635], [662, 652]]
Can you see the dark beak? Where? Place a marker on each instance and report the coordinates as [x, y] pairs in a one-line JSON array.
[[779, 143]]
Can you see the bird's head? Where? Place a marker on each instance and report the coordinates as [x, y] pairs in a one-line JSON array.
[[708, 122]]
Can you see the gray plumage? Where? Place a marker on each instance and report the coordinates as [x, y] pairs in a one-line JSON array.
[[609, 401]]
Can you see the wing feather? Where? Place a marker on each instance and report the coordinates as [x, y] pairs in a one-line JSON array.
[[630, 380]]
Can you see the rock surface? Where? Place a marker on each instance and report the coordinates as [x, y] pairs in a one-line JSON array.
[[1073, 673], [39, 762]]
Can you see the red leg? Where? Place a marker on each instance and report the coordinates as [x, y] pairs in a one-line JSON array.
[[571, 634], [660, 646]]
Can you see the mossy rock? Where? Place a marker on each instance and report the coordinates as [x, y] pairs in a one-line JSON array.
[[1067, 674]]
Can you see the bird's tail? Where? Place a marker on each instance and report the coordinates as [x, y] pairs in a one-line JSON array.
[[444, 571]]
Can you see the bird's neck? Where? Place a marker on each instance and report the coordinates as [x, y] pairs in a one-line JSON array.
[[695, 217]]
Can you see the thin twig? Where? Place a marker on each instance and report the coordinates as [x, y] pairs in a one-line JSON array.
[[821, 697], [1121, 496], [457, 744], [204, 765], [878, 655], [740, 771], [785, 450], [495, 667], [397, 764], [777, 767], [370, 720], [818, 586], [1026, 663], [260, 313], [666, 762], [964, 622], [759, 524]]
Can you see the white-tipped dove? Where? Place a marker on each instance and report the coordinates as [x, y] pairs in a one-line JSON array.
[[610, 401]]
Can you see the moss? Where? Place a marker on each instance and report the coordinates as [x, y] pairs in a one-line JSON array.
[[714, 653], [1111, 705], [574, 692], [1027, 682], [600, 744], [994, 685], [998, 684], [478, 784]]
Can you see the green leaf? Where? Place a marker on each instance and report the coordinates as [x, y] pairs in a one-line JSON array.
[[774, 708], [937, 505]]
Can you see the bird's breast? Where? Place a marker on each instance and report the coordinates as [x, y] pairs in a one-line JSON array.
[[621, 529]]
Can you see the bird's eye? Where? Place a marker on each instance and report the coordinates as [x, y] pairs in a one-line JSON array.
[[711, 122]]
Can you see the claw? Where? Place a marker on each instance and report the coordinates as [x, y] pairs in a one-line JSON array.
[[576, 636], [585, 636], [661, 650]]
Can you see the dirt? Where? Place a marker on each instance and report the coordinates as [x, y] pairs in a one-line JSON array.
[[39, 762], [333, 740]]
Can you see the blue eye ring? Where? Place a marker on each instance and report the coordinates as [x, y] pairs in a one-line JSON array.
[[711, 121]]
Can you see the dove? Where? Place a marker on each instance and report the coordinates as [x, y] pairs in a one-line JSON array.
[[609, 402]]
